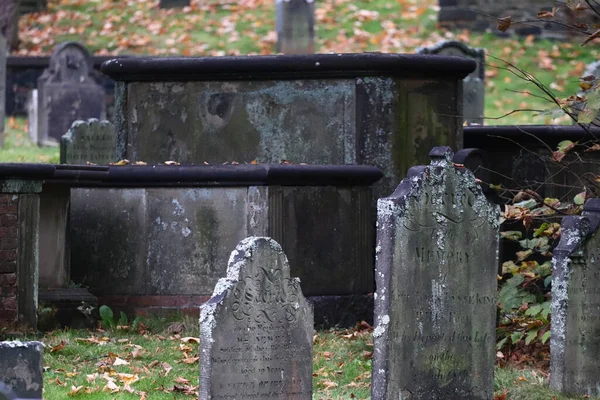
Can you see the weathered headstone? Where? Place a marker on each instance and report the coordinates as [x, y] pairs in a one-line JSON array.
[[32, 115], [21, 368], [91, 141], [473, 84], [3, 53], [295, 20], [575, 328], [256, 331], [67, 92], [174, 3], [435, 305]]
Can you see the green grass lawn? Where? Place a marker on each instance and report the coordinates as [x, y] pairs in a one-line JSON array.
[[159, 360], [18, 147]]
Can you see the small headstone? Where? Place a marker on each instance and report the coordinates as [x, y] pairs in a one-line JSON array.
[[575, 324], [174, 3], [91, 141], [256, 331], [32, 115], [21, 368], [3, 53], [295, 20], [67, 92], [436, 275], [473, 84]]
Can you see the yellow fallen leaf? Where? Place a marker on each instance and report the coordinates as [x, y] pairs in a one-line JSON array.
[[111, 387], [189, 360], [74, 390], [128, 379]]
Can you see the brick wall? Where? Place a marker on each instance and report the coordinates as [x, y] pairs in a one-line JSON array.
[[9, 240], [479, 15]]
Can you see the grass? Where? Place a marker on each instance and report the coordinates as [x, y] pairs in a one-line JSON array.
[[159, 361], [18, 148]]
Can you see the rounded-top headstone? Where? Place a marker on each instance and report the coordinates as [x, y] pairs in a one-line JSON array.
[[256, 331]]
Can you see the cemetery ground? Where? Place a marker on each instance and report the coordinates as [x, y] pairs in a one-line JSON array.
[[248, 27], [158, 359]]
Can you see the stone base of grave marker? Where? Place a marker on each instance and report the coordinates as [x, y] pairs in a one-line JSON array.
[[436, 276], [256, 331], [21, 368], [574, 342]]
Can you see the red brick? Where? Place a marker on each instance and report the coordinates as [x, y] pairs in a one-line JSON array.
[[8, 279], [8, 266], [7, 291], [10, 303], [9, 243], [6, 198], [8, 255], [9, 219], [8, 231], [8, 208]]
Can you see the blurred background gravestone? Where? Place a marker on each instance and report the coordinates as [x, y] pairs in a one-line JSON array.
[[295, 26], [473, 84], [91, 141], [67, 92], [32, 115], [3, 53]]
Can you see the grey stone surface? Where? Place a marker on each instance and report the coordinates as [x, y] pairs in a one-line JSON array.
[[175, 241], [91, 141], [575, 323], [435, 305], [67, 92], [32, 115], [473, 85], [174, 3], [3, 54], [386, 122], [256, 331], [21, 368], [295, 20], [28, 258]]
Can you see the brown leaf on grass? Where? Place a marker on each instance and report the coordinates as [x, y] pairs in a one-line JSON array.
[[190, 340], [504, 23], [181, 380], [189, 360], [167, 368], [327, 384], [119, 361], [153, 364], [58, 347], [327, 355], [75, 390], [367, 354]]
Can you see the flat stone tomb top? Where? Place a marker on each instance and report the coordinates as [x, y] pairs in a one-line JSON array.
[[256, 331], [286, 67], [436, 275]]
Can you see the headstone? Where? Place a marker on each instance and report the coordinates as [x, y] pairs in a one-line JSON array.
[[67, 92], [295, 20], [575, 323], [436, 276], [174, 3], [473, 84], [21, 368], [256, 331], [91, 141], [3, 54], [32, 115]]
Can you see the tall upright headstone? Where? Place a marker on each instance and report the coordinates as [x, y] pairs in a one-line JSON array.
[[67, 92], [32, 115], [3, 53], [21, 368], [295, 20], [575, 323], [473, 84], [436, 275], [256, 331], [91, 141]]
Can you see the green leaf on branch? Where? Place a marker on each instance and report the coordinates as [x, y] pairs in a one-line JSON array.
[[531, 203], [545, 337], [579, 199], [547, 281], [515, 337], [532, 334], [511, 235], [541, 229], [566, 145]]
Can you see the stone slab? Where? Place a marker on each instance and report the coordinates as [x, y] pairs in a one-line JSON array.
[[92, 141]]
